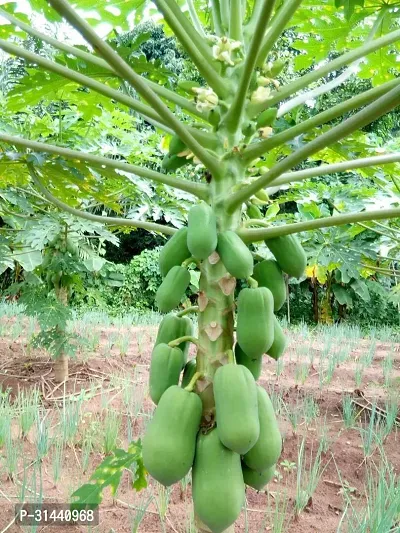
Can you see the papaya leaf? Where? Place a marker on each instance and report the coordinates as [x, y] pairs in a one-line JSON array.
[[349, 6], [28, 258], [342, 295], [361, 289], [109, 474]]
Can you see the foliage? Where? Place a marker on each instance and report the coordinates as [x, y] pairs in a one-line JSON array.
[[374, 312], [142, 279], [109, 474]]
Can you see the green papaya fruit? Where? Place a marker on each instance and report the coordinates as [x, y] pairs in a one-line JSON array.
[[173, 162], [176, 146], [269, 274], [174, 252], [165, 368], [262, 196], [289, 254], [277, 67], [188, 372], [267, 450], [214, 116], [235, 255], [170, 440], [257, 480], [255, 321], [173, 327], [249, 128], [254, 365], [187, 86], [217, 483], [202, 235], [253, 211], [235, 394], [280, 341], [267, 117], [173, 287]]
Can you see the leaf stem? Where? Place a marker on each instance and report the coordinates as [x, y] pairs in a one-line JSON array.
[[276, 27], [333, 65], [333, 168], [202, 62], [256, 222], [194, 37], [112, 221], [186, 338], [188, 310], [216, 17], [195, 18], [339, 80], [367, 115], [197, 189], [235, 21], [190, 386], [81, 79], [254, 17], [255, 235], [235, 112], [225, 6], [182, 102], [136, 81], [257, 149]]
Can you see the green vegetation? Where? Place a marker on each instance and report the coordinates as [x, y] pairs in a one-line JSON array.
[[246, 135]]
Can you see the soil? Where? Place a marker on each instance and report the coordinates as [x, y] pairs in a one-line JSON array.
[[344, 462]]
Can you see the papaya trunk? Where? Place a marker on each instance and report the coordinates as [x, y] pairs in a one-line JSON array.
[[215, 328], [61, 368]]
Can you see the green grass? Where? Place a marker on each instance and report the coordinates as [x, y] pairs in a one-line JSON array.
[[349, 412], [379, 512], [78, 432], [309, 472]]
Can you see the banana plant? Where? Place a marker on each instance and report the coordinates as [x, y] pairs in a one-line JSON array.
[[230, 128]]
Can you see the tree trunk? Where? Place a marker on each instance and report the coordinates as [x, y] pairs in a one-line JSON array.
[[61, 368], [315, 300], [215, 322], [61, 362]]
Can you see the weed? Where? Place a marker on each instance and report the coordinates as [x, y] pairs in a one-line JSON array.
[[42, 437], [70, 416], [278, 510], [349, 412], [310, 409], [112, 426], [302, 372], [387, 367], [140, 511], [57, 457], [380, 511], [27, 404], [358, 374], [307, 477]]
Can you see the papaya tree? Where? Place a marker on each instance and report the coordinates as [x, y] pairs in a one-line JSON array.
[[52, 253], [220, 423]]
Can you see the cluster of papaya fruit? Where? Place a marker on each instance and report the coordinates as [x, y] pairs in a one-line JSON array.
[[243, 444]]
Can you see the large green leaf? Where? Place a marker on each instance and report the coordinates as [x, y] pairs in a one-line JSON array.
[[109, 473]]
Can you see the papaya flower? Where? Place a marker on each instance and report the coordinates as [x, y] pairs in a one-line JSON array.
[[223, 48], [260, 95], [206, 99]]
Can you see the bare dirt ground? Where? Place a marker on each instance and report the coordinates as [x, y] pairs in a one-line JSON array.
[[343, 459]]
